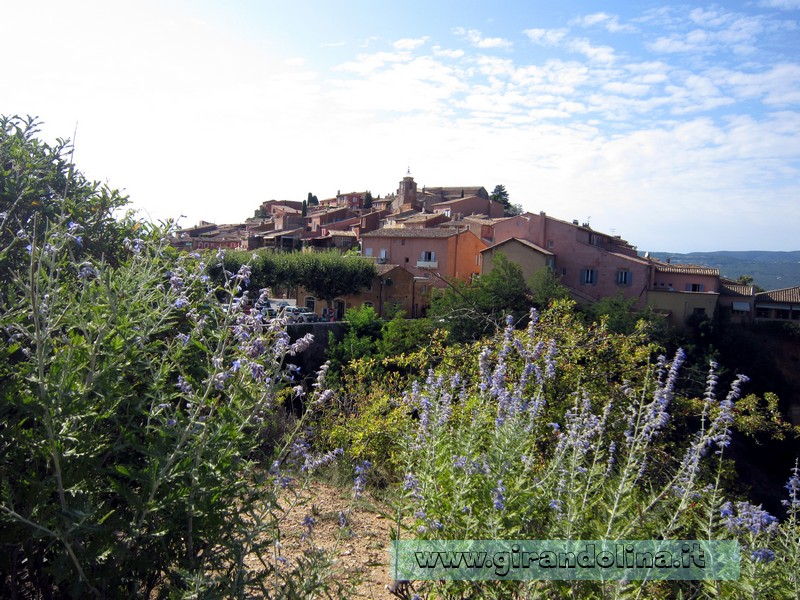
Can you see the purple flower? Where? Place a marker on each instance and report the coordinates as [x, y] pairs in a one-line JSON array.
[[182, 338], [793, 487], [498, 496], [749, 518], [183, 385], [181, 302], [257, 371], [360, 480], [762, 555]]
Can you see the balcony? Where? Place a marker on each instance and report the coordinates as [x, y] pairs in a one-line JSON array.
[[428, 264]]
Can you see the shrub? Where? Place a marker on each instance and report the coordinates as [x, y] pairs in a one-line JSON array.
[[498, 456], [136, 415]]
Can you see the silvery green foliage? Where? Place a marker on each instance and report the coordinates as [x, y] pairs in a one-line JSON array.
[[139, 404], [498, 456]]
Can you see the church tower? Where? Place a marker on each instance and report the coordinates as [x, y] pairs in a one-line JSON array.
[[407, 191]]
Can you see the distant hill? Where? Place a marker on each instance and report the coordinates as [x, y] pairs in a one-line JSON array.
[[770, 270]]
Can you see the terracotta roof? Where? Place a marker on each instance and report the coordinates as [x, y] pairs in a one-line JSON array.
[[530, 245], [411, 232], [282, 232], [446, 203], [483, 219], [728, 288], [635, 259], [687, 269], [786, 295]]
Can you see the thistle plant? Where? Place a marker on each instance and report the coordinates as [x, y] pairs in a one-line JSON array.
[[503, 455], [139, 423]]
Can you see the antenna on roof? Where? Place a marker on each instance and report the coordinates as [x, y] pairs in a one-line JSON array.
[[408, 171]]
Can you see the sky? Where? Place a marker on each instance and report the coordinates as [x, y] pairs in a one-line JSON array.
[[675, 126]]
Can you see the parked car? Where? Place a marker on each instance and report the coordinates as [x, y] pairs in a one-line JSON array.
[[300, 314]]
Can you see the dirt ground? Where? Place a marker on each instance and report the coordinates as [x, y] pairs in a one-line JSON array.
[[361, 546]]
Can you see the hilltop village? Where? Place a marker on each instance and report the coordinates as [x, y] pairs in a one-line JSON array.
[[422, 238]]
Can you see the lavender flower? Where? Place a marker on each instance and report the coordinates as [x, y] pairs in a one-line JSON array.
[[183, 385], [181, 302], [182, 338], [308, 523], [498, 496], [762, 555], [793, 487], [749, 518], [411, 484], [301, 345], [361, 478], [257, 371]]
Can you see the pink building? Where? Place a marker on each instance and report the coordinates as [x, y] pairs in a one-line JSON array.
[[436, 254], [593, 265]]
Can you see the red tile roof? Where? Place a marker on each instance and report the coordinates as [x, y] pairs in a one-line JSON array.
[[786, 295], [411, 232], [687, 269]]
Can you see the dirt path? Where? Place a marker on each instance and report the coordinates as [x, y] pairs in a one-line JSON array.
[[361, 546]]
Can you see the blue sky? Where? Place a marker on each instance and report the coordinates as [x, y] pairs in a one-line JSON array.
[[676, 126]]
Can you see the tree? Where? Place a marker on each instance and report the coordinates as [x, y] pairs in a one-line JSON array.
[[470, 312], [368, 200], [305, 209], [499, 194], [39, 187], [329, 274], [547, 287]]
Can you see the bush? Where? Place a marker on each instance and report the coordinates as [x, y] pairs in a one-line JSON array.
[[136, 416], [500, 456]]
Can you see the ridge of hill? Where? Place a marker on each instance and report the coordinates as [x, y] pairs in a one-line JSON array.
[[769, 269]]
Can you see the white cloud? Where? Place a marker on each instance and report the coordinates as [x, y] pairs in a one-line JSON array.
[[609, 22], [546, 37], [626, 88], [600, 54], [778, 86], [717, 32], [409, 43], [473, 36], [447, 53], [782, 4]]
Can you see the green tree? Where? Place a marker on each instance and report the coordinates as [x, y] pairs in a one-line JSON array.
[[304, 211], [499, 194], [546, 287], [39, 186], [368, 200], [326, 274], [471, 311]]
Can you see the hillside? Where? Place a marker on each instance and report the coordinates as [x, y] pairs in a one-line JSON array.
[[770, 270]]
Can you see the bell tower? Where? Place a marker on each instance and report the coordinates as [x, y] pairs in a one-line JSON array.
[[408, 190]]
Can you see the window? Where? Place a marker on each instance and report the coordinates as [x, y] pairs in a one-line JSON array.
[[403, 242], [550, 243], [429, 256], [694, 287], [563, 271], [367, 251], [588, 277], [594, 239], [368, 305], [624, 277], [311, 303]]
